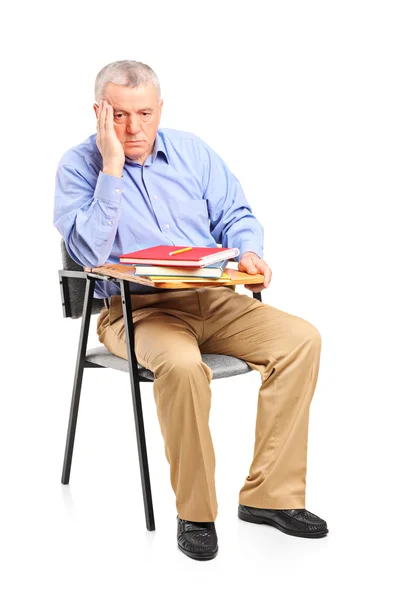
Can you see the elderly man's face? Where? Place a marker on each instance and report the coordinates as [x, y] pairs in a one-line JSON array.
[[137, 115]]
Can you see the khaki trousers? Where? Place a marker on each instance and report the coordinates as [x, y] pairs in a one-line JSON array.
[[171, 331]]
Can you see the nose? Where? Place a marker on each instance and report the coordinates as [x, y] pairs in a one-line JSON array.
[[133, 124]]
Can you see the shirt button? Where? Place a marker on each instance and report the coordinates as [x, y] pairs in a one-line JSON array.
[[109, 222], [155, 197], [118, 190], [167, 226]]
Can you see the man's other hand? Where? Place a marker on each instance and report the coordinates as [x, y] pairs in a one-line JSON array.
[[252, 264]]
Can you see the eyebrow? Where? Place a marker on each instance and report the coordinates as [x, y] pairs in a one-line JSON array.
[[140, 109]]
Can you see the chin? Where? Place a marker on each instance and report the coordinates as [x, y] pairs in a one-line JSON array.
[[133, 156]]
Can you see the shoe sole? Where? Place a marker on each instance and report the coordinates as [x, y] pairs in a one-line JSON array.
[[266, 521], [197, 556]]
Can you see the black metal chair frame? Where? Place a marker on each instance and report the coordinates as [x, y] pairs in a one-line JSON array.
[[135, 378]]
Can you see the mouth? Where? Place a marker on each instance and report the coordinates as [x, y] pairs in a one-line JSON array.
[[136, 142]]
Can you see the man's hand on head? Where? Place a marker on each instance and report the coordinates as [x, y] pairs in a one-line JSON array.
[[107, 141], [252, 264]]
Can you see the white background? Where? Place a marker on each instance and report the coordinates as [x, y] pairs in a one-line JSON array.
[[301, 99]]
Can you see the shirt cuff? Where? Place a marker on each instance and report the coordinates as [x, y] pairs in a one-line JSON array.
[[249, 247], [109, 188]]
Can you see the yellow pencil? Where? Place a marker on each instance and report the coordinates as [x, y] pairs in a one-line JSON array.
[[179, 251]]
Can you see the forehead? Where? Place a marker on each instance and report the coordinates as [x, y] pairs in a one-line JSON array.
[[126, 98]]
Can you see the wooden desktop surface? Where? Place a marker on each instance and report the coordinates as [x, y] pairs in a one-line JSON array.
[[127, 273]]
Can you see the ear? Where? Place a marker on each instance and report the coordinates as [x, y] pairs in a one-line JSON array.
[[161, 105], [96, 108]]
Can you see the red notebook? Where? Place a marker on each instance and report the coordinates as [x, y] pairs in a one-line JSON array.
[[195, 257]]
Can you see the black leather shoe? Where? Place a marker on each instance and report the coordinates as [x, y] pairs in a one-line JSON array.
[[197, 540], [297, 521]]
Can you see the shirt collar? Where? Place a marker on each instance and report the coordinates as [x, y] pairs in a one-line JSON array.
[[159, 146]]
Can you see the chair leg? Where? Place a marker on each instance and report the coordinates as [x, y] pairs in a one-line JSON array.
[[137, 406], [76, 393]]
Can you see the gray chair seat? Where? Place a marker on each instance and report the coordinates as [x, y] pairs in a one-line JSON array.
[[221, 364]]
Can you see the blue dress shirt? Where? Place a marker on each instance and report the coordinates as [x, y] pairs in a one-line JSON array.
[[184, 194]]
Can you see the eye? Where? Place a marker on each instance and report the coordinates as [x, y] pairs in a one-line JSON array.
[[118, 115], [145, 114]]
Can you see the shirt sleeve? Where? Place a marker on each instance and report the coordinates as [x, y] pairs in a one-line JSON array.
[[232, 222], [86, 213]]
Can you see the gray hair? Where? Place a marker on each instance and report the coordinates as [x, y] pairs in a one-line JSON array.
[[129, 73]]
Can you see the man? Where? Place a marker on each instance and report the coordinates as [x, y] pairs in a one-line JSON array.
[[131, 186]]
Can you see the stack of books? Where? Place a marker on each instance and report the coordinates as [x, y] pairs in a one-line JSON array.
[[183, 263]]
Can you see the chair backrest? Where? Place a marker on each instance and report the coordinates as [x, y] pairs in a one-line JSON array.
[[74, 288]]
